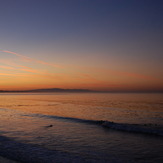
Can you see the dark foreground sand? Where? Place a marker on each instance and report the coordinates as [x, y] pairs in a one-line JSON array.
[[5, 160]]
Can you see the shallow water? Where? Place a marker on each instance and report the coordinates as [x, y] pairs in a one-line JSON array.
[[75, 131]]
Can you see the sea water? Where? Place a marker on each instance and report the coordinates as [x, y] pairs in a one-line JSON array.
[[82, 127]]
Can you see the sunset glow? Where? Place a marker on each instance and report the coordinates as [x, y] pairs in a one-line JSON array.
[[84, 48], [81, 81]]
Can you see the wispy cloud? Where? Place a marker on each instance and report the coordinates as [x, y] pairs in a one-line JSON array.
[[7, 67], [13, 66], [28, 59], [123, 74], [85, 77], [11, 74], [72, 73]]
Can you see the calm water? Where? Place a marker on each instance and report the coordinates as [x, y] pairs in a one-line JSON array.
[[67, 126]]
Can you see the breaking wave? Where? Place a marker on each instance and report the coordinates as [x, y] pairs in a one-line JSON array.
[[153, 129]]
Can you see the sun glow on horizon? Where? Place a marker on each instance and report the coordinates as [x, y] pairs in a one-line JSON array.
[[99, 45], [21, 74]]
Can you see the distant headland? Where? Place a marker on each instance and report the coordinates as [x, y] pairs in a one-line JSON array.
[[58, 90], [47, 90]]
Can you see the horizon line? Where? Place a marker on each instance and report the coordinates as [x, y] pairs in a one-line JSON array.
[[43, 90]]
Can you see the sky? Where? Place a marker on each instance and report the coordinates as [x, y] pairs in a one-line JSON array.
[[112, 45]]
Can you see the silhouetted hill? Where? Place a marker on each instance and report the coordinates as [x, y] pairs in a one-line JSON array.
[[49, 90], [77, 90], [60, 90]]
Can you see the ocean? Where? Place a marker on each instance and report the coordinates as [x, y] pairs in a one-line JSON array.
[[81, 127]]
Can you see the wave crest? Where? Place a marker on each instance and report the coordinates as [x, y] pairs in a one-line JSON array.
[[136, 128]]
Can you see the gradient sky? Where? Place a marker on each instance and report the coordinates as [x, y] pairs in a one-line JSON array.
[[91, 44]]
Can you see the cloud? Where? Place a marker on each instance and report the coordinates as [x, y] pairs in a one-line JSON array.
[[68, 74], [8, 74], [14, 66], [123, 74], [7, 67], [82, 76], [6, 51], [28, 59]]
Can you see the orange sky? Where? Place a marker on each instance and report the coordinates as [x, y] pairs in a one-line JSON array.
[[98, 44], [19, 72]]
